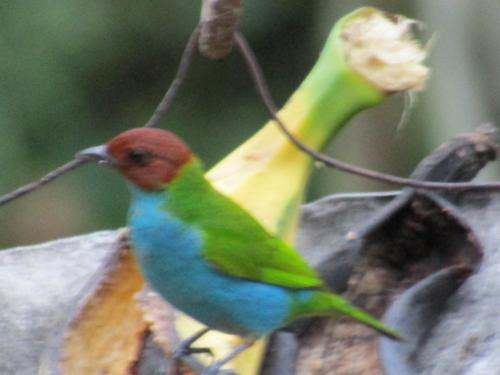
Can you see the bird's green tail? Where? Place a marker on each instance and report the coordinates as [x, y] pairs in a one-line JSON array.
[[323, 303]]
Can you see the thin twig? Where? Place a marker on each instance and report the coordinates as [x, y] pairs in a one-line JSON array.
[[73, 164], [264, 93], [182, 71]]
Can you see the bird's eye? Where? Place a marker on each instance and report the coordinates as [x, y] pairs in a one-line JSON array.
[[138, 156]]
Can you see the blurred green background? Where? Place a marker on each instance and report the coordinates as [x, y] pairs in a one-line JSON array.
[[75, 72]]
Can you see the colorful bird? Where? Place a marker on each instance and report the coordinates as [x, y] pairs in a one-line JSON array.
[[205, 254]]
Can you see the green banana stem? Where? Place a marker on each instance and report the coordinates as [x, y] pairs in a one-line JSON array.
[[330, 95], [267, 174]]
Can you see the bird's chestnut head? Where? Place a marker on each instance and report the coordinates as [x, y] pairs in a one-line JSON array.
[[149, 158]]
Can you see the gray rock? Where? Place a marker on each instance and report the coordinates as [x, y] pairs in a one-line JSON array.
[[38, 285]]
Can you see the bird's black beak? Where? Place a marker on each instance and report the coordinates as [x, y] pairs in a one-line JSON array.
[[97, 153]]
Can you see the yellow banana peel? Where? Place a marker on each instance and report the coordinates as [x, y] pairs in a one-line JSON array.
[[267, 174]]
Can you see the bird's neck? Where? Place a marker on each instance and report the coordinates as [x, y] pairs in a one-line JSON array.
[[159, 220], [185, 192], [189, 194], [146, 198]]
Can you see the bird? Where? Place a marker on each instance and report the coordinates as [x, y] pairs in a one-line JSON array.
[[205, 254]]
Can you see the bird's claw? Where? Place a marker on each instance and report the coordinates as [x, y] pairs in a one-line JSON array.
[[186, 350]]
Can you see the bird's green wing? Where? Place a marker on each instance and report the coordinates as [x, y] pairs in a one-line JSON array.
[[256, 255], [234, 242]]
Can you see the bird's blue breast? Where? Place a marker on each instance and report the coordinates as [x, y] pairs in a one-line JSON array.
[[169, 254]]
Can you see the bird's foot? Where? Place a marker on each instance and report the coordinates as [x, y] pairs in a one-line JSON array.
[[215, 367], [184, 349]]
